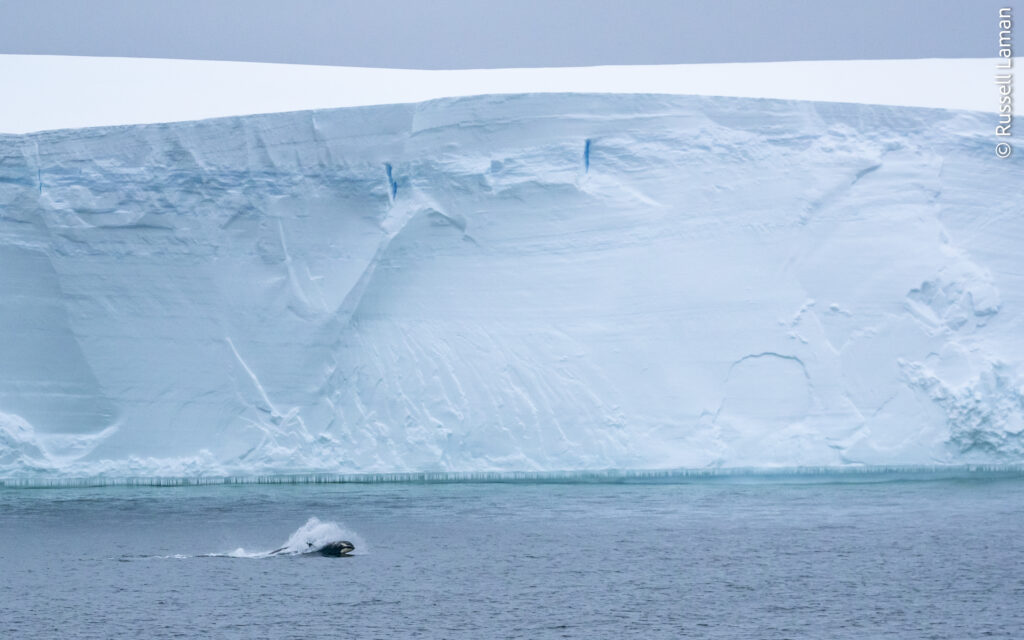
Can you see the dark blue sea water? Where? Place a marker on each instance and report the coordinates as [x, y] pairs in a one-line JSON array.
[[708, 559]]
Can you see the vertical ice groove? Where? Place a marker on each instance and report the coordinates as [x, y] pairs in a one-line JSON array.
[[39, 167], [293, 280], [280, 421], [270, 408]]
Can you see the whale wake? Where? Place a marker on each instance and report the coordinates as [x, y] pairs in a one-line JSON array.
[[314, 537]]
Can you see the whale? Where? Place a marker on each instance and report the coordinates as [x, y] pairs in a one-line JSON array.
[[335, 549]]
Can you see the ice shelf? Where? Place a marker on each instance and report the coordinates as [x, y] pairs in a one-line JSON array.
[[515, 283]]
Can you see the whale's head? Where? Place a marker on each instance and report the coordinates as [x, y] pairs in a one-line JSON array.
[[336, 549]]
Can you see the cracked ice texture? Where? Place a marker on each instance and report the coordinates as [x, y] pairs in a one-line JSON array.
[[512, 283]]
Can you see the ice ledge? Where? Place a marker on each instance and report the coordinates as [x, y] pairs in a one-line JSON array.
[[118, 91], [853, 473]]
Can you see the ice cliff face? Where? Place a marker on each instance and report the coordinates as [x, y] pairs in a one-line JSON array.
[[512, 283]]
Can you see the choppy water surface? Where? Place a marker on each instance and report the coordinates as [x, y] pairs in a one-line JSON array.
[[933, 559]]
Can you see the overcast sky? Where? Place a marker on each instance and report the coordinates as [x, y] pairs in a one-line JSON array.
[[460, 34]]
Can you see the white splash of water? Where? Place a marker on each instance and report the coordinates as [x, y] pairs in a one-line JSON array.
[[309, 537]]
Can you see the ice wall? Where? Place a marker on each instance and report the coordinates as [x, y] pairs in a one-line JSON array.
[[512, 283]]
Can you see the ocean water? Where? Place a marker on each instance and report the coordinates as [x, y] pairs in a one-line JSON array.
[[776, 558]]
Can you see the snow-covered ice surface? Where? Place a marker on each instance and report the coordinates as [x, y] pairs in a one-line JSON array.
[[150, 90], [531, 282]]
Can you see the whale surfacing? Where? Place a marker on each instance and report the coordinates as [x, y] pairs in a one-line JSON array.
[[336, 549]]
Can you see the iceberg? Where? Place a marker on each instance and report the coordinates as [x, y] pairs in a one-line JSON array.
[[512, 283]]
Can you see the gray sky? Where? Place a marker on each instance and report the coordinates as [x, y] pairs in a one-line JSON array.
[[438, 34]]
